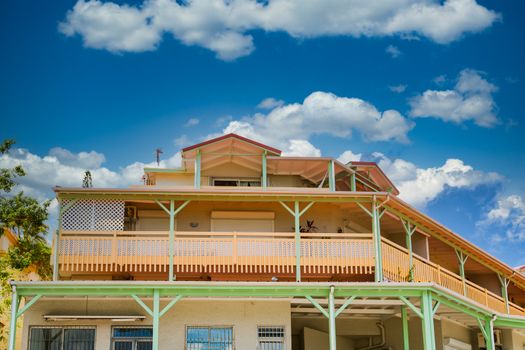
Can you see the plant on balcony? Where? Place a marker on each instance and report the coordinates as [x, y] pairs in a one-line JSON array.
[[309, 228]]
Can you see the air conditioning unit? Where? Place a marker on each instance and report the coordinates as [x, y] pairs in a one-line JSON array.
[[497, 339], [455, 344]]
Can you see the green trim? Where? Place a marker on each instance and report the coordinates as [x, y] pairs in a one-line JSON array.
[[331, 175], [297, 235], [28, 305], [197, 170], [404, 321], [409, 231], [347, 302], [509, 322], [318, 306], [164, 170], [156, 316], [416, 310], [429, 341], [141, 303], [504, 281], [332, 337], [376, 231], [353, 186], [462, 258], [170, 305], [264, 176], [15, 303]]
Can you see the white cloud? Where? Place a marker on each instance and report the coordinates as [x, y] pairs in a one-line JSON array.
[[419, 186], [322, 113], [398, 88], [222, 26], [270, 103], [440, 79], [64, 168], [393, 51], [349, 156], [192, 122], [301, 148], [506, 220], [470, 100]]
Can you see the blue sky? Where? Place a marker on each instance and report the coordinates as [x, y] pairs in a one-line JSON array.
[[100, 85]]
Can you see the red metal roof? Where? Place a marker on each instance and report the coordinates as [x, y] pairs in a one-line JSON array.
[[227, 136]]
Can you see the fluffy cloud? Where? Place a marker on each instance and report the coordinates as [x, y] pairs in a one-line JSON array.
[[507, 217], [470, 100], [398, 88], [349, 156], [64, 168], [192, 122], [270, 103], [419, 186], [393, 51], [321, 113], [223, 26]]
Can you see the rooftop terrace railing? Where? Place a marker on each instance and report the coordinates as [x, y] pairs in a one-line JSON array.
[[245, 255]]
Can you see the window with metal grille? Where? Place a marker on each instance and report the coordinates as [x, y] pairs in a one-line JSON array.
[[270, 338], [59, 338], [209, 338], [132, 338]]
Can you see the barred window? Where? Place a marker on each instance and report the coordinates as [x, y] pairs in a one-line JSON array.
[[209, 338], [59, 338], [270, 338], [132, 338]]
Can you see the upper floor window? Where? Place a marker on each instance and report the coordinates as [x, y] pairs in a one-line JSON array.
[[209, 338], [58, 338], [237, 182]]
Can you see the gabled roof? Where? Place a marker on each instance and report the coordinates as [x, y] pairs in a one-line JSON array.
[[235, 136], [376, 173]]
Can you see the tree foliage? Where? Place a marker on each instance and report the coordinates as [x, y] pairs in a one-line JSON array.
[[25, 216], [87, 182], [8, 176]]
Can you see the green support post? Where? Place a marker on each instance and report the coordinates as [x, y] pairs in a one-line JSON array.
[[504, 291], [15, 302], [429, 342], [353, 186], [156, 316], [404, 320], [172, 212], [297, 226], [264, 177], [331, 320], [197, 179], [462, 260], [487, 328], [376, 230], [331, 175], [409, 230], [172, 239]]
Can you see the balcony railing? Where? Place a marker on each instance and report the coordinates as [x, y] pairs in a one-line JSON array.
[[236, 253]]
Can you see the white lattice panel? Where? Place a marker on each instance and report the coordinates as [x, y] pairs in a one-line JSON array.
[[94, 215]]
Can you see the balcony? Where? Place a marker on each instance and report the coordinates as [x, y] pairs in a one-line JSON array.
[[251, 256]]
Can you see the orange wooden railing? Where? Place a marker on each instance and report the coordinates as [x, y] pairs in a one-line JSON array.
[[396, 268], [215, 252], [256, 253]]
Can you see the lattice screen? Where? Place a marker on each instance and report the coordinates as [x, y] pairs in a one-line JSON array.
[[94, 215]]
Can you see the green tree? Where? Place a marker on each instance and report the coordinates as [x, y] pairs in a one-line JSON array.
[[87, 182], [25, 216], [7, 176]]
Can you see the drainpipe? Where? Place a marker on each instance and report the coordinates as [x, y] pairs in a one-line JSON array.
[[383, 339]]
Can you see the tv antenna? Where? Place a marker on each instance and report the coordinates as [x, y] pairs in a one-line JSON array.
[[158, 152]]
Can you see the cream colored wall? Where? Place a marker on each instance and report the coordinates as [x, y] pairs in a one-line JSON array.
[[231, 170], [518, 340], [244, 316], [316, 340], [394, 333], [174, 179], [453, 330], [286, 181]]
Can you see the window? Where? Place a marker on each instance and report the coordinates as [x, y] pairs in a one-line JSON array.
[[209, 338], [270, 338], [237, 182], [57, 338], [131, 338]]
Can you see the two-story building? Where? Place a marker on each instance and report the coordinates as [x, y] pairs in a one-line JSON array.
[[243, 248]]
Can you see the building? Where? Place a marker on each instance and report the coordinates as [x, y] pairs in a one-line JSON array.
[[243, 248], [7, 240]]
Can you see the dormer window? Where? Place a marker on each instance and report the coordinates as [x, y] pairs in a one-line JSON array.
[[237, 182]]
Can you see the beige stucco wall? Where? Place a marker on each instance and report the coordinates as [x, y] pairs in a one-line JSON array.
[[327, 217], [244, 316], [317, 340]]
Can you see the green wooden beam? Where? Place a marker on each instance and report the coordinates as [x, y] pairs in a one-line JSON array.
[[462, 258], [156, 316], [28, 305], [15, 303], [429, 341], [331, 175], [409, 231], [332, 334], [376, 231], [353, 186], [264, 177], [346, 303], [197, 170], [404, 321], [416, 310], [170, 305], [318, 306], [510, 322], [504, 281]]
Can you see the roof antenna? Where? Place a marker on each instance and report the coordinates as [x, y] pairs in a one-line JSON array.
[[158, 152]]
